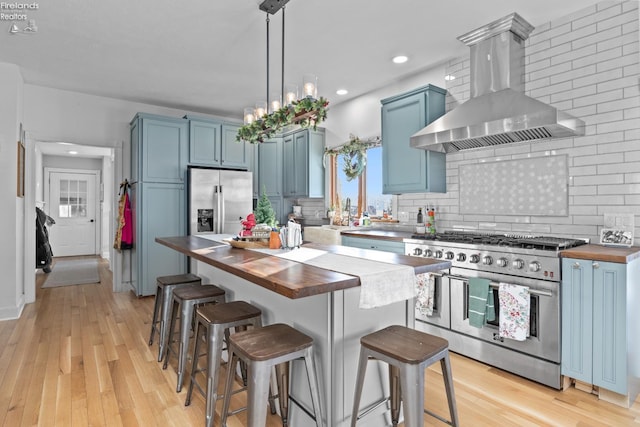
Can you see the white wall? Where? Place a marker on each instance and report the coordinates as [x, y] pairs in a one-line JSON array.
[[361, 116], [11, 217]]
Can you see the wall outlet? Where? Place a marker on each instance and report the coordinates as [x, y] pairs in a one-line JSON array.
[[403, 216]]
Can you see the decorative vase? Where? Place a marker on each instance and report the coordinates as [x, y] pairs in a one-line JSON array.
[[274, 240]]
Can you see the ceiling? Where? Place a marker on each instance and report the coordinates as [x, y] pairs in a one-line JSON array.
[[210, 56]]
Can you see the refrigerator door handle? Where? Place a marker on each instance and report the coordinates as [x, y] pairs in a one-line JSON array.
[[216, 217], [221, 209]]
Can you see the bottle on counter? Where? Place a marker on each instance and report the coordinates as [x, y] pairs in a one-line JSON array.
[[420, 217], [431, 220]]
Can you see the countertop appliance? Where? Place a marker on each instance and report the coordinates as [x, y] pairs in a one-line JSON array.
[[218, 200], [531, 261]]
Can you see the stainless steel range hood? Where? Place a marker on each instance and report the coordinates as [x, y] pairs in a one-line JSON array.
[[498, 111]]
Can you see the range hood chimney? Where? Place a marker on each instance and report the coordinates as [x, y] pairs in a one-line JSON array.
[[498, 111]]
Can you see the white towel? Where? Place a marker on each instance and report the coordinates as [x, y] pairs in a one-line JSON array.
[[514, 311], [425, 293], [380, 283]]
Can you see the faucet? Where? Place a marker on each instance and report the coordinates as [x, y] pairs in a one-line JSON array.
[[348, 208]]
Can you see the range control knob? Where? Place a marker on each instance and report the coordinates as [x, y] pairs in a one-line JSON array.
[[461, 257], [417, 251], [518, 264], [534, 266], [502, 262], [428, 253], [438, 254], [487, 260], [449, 255], [474, 259]]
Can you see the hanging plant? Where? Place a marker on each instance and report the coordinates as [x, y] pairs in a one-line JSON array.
[[306, 112], [354, 155]]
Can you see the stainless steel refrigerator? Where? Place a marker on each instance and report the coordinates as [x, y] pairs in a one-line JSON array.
[[218, 200]]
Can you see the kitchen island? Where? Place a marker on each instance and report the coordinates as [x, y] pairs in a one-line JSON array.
[[319, 302]]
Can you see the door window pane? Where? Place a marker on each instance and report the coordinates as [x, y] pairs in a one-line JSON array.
[[73, 198]]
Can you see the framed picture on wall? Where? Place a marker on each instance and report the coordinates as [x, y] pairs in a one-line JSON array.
[[20, 168]]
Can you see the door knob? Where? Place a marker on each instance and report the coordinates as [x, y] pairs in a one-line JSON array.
[[91, 220]]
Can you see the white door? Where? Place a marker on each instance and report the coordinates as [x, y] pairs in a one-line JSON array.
[[72, 202]]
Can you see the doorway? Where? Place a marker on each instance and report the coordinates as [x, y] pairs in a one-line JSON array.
[[72, 197]]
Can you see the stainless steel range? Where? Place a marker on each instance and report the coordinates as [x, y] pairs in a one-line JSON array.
[[530, 261]]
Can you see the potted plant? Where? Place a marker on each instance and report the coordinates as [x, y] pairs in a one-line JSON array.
[[265, 216]]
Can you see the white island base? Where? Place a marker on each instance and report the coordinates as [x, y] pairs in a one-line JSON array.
[[336, 324]]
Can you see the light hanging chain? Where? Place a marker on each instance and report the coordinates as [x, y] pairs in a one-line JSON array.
[[282, 76], [268, 20]]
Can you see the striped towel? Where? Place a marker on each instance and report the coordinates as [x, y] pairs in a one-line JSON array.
[[481, 307]]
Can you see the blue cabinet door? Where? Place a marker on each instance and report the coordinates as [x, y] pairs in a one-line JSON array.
[[162, 150], [234, 154], [205, 143], [153, 259], [270, 169], [406, 169], [609, 326], [577, 319], [303, 170]]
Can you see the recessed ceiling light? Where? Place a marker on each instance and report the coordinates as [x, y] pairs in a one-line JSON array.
[[400, 59], [449, 77], [72, 152], [342, 92], [65, 143]]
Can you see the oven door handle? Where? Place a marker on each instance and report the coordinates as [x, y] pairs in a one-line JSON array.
[[494, 285]]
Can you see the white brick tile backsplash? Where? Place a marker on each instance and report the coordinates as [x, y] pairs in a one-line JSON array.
[[598, 179], [587, 64]]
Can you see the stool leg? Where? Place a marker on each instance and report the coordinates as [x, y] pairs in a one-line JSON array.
[[282, 379], [164, 316], [258, 392], [396, 395], [228, 387], [362, 368], [412, 386], [448, 384], [186, 316], [156, 309], [314, 385], [170, 331], [194, 363], [214, 351]]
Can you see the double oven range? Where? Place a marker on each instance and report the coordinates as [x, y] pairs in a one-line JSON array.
[[531, 261]]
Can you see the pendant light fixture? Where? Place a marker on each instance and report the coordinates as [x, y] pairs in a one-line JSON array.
[[282, 108]]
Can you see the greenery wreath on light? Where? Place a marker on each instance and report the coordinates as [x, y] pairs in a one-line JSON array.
[[306, 112], [354, 155]]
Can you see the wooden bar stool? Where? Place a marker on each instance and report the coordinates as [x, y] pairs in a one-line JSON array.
[[408, 352], [162, 305], [214, 322], [185, 300], [261, 349]]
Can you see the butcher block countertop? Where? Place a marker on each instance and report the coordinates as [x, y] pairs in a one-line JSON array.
[[289, 278], [602, 253]]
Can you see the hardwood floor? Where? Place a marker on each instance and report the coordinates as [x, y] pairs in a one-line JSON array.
[[79, 356]]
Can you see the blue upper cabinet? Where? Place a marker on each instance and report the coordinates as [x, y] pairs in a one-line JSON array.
[[205, 141], [303, 169], [159, 149], [213, 143], [270, 167], [234, 154], [406, 169]]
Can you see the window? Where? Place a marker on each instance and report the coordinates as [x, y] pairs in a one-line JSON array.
[[365, 191], [73, 198]]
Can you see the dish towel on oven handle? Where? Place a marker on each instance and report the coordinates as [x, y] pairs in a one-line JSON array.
[[514, 311], [425, 293], [481, 307]]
